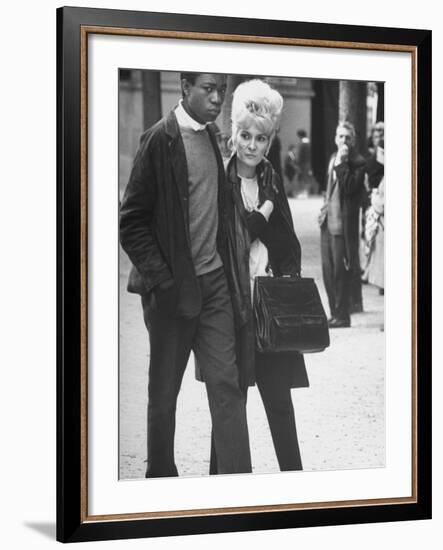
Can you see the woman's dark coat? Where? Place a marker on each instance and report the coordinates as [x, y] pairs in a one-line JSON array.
[[285, 259]]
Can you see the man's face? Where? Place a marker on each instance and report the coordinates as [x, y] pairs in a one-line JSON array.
[[343, 137], [204, 98]]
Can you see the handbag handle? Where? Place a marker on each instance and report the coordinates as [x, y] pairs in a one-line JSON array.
[[296, 276]]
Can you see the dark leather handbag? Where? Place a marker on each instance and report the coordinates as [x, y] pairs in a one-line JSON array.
[[289, 315]]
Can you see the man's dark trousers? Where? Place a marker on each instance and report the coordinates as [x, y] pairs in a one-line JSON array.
[[211, 336], [336, 274]]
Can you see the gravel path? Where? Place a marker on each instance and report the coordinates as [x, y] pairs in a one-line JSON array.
[[340, 418]]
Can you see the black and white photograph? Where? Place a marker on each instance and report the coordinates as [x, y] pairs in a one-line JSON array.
[[219, 326], [240, 291], [251, 274]]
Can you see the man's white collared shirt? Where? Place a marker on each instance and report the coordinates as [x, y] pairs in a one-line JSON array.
[[186, 121]]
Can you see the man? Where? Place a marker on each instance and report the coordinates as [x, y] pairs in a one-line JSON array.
[[172, 227], [339, 222], [291, 170]]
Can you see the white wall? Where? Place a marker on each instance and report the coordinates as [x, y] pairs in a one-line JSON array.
[[27, 398]]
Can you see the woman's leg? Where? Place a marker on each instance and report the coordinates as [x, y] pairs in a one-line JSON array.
[[276, 396]]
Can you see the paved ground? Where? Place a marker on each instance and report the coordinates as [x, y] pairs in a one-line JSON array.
[[340, 418]]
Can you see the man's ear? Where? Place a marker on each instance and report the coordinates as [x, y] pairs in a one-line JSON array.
[[185, 86]]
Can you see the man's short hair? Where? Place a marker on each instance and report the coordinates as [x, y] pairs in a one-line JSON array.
[[302, 133], [190, 77], [347, 126]]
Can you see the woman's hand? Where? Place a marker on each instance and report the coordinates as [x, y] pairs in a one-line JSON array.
[[267, 192], [268, 189]]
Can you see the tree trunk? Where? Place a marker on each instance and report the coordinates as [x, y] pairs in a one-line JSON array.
[[352, 108]]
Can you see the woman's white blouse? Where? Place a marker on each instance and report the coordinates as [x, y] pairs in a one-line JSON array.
[[258, 256]]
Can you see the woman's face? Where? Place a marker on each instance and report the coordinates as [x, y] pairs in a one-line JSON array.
[[251, 145]]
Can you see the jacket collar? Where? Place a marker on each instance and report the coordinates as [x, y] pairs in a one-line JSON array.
[[357, 160], [172, 130], [185, 120], [171, 125], [231, 169]]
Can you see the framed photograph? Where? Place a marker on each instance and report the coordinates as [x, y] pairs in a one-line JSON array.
[[197, 157]]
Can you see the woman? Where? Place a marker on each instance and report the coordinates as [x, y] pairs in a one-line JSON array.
[[261, 242], [374, 237]]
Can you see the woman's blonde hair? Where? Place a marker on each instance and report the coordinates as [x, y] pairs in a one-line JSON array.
[[256, 102]]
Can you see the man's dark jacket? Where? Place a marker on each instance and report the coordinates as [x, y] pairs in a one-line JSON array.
[[350, 179], [154, 225]]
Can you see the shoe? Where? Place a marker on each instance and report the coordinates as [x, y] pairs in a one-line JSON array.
[[339, 323]]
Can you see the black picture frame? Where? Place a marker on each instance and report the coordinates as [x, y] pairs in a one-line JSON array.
[[73, 523]]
